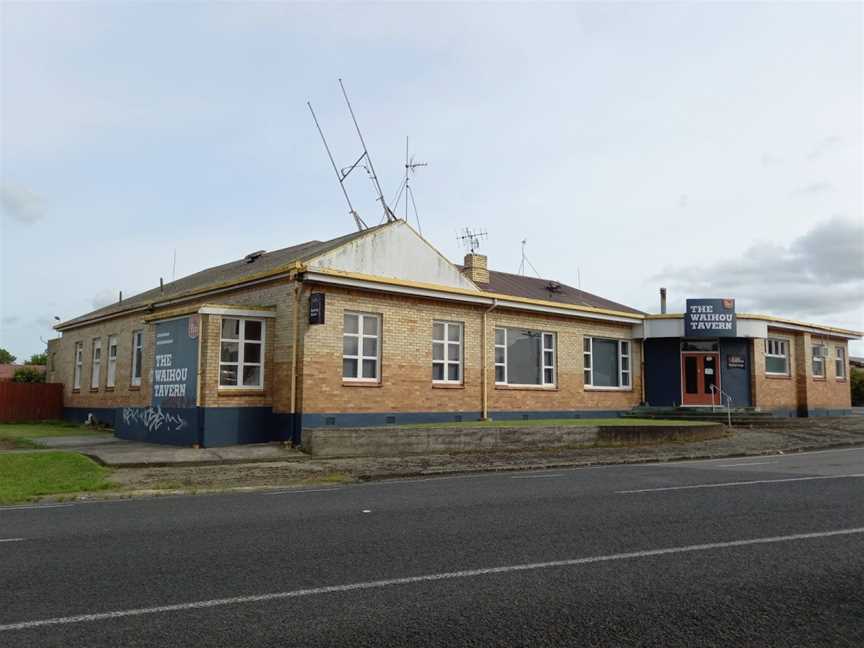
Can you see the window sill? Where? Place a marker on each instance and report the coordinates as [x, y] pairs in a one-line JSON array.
[[134, 387], [94, 390], [109, 389], [840, 380], [607, 389], [76, 391], [444, 385], [246, 391], [819, 378], [549, 388], [771, 376], [361, 383]]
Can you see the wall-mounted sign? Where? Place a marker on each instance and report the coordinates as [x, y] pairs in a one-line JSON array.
[[316, 308], [735, 362], [175, 366], [710, 318]]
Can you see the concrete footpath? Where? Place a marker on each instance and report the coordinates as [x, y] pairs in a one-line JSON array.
[[271, 466]]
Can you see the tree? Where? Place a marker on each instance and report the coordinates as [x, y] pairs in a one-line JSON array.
[[28, 375], [38, 359], [6, 357]]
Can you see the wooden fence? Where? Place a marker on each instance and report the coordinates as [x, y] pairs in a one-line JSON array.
[[30, 402]]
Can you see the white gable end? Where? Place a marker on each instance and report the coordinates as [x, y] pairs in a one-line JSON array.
[[395, 252]]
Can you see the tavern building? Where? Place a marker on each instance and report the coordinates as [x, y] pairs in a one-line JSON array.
[[379, 328]]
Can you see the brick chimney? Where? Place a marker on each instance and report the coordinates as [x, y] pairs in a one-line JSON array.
[[475, 268]]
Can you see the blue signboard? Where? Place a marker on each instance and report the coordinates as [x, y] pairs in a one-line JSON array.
[[173, 416], [710, 318]]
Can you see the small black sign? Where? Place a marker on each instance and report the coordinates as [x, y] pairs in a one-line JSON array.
[[735, 362], [316, 308]]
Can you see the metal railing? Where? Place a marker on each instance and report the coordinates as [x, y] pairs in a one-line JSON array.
[[716, 390]]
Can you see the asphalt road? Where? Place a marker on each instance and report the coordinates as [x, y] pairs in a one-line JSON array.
[[764, 551]]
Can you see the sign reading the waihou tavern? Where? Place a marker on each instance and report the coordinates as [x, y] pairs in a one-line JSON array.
[[710, 318], [175, 373]]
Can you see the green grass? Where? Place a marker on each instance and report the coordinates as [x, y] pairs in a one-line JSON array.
[[522, 423], [27, 475], [19, 434]]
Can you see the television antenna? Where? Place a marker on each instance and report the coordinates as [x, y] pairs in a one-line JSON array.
[[405, 187], [365, 161], [470, 239], [525, 261]]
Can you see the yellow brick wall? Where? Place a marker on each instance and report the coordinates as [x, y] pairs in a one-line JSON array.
[[406, 360], [801, 389]]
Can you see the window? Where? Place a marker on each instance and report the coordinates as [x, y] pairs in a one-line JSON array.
[[79, 364], [524, 357], [137, 356], [840, 362], [97, 363], [447, 352], [818, 352], [241, 357], [606, 363], [777, 356], [112, 361], [360, 350]]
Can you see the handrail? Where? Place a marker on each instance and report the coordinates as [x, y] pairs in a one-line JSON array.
[[714, 389]]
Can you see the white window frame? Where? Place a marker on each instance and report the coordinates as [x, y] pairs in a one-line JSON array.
[[360, 357], [544, 336], [79, 365], [445, 343], [817, 358], [96, 363], [776, 347], [241, 363], [137, 345], [840, 363], [625, 352], [111, 375]]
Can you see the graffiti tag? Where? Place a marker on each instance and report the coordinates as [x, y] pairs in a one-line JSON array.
[[154, 418]]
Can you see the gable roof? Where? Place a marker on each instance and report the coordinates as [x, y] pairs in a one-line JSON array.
[[233, 272], [505, 283]]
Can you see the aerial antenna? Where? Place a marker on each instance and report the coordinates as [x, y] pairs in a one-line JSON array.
[[405, 187], [525, 261], [388, 213], [340, 176], [471, 239], [174, 266]]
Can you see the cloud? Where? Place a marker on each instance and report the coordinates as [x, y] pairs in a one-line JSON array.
[[21, 204], [9, 320], [818, 188], [683, 201], [104, 297], [824, 146], [769, 160], [819, 274]]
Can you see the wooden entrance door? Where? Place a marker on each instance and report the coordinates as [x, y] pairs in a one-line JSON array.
[[699, 372]]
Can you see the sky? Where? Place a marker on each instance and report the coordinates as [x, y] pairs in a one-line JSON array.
[[715, 149]]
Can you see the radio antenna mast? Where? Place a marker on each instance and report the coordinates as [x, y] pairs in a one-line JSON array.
[[526, 260], [388, 213], [361, 225], [405, 186]]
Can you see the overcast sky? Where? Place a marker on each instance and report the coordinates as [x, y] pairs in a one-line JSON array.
[[714, 148]]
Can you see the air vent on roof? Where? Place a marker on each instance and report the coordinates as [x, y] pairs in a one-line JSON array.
[[249, 258], [553, 286]]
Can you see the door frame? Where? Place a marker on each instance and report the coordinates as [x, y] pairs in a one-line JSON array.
[[719, 376]]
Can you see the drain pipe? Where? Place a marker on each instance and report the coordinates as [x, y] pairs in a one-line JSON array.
[[295, 336], [484, 370]]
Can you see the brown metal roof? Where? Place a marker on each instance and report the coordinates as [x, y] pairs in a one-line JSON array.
[[234, 271], [537, 288]]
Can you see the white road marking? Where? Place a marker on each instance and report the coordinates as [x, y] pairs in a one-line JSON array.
[[740, 483], [308, 490], [11, 539], [746, 463], [34, 506], [534, 476], [367, 510], [391, 582]]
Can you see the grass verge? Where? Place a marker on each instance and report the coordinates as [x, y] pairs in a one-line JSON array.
[[25, 475], [523, 423]]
